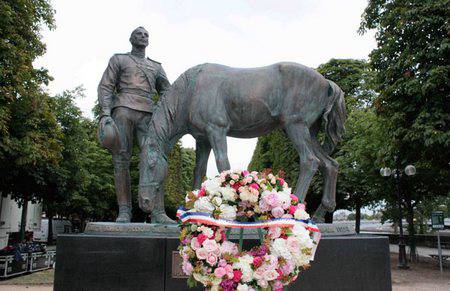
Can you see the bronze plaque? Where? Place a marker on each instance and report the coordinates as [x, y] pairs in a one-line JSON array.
[[177, 272]]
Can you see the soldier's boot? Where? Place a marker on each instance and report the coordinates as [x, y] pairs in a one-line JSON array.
[[124, 213], [159, 213], [123, 189]]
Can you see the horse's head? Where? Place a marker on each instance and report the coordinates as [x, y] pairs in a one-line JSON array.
[[152, 169]]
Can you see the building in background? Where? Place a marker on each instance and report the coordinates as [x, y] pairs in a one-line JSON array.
[[10, 214]]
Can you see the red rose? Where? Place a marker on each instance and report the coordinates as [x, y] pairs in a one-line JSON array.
[[201, 238], [237, 275], [280, 274], [257, 261]]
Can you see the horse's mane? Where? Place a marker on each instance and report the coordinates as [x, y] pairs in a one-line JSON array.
[[163, 126]]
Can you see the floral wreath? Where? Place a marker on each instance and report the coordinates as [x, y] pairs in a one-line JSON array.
[[239, 199]]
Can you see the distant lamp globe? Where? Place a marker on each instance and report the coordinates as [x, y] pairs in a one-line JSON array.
[[385, 172], [410, 170]]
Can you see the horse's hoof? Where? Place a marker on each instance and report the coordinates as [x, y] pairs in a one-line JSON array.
[[319, 214], [162, 218]]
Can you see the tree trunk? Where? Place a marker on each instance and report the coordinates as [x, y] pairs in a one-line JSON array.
[[411, 229], [23, 220], [358, 217], [50, 226]]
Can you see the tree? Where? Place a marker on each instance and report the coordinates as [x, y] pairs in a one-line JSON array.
[[28, 131], [412, 77]]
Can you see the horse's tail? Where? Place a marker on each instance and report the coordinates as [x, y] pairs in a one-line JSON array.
[[335, 116]]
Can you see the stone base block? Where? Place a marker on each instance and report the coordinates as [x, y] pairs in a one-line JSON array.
[[113, 262]]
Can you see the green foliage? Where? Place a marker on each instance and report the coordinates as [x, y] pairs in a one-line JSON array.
[[412, 76], [29, 134], [179, 178], [21, 44], [411, 67]]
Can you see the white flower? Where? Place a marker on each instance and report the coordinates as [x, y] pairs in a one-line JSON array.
[[200, 278], [244, 265], [242, 287], [228, 193], [279, 248], [203, 205], [212, 185], [285, 199], [301, 214], [247, 195], [206, 231], [217, 201], [227, 212]]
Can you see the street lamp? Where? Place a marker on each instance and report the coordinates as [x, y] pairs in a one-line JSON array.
[[410, 170]]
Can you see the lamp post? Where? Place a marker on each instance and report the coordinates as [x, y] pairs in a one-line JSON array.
[[410, 170]]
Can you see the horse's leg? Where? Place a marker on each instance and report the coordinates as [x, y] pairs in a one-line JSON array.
[[329, 169], [218, 139], [202, 151], [301, 138]]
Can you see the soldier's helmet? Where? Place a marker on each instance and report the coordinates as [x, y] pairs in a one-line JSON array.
[[108, 135]]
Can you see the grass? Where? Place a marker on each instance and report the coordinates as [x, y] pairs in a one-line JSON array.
[[38, 278]]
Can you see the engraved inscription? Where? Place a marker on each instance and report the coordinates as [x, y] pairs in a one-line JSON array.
[[177, 272]]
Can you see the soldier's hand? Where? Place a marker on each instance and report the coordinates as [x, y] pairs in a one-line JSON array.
[[105, 119]]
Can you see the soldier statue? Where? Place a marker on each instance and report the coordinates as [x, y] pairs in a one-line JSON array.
[[126, 95]]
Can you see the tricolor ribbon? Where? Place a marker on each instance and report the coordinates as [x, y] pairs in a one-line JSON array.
[[187, 216]]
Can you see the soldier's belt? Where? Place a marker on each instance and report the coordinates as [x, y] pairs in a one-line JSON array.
[[139, 92]]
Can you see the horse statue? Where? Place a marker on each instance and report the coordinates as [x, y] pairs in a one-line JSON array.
[[212, 101]]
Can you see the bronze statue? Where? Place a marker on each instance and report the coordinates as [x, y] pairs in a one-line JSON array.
[[212, 101], [126, 96]]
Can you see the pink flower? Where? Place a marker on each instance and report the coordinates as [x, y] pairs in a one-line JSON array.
[[187, 268], [288, 267], [257, 261], [212, 260], [277, 212], [195, 244], [229, 270], [281, 181], [245, 173], [292, 209], [274, 232], [201, 238], [294, 198], [229, 247], [272, 199], [201, 253], [210, 245], [278, 286], [263, 206], [254, 186], [220, 272], [202, 192], [293, 244], [222, 263], [280, 274], [237, 275]]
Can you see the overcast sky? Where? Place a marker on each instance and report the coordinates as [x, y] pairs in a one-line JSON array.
[[186, 33]]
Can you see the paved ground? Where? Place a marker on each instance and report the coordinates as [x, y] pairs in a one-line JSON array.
[[422, 276]]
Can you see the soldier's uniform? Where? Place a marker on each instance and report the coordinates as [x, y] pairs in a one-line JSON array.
[[126, 93]]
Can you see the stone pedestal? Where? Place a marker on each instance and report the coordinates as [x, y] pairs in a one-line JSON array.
[[145, 262]]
